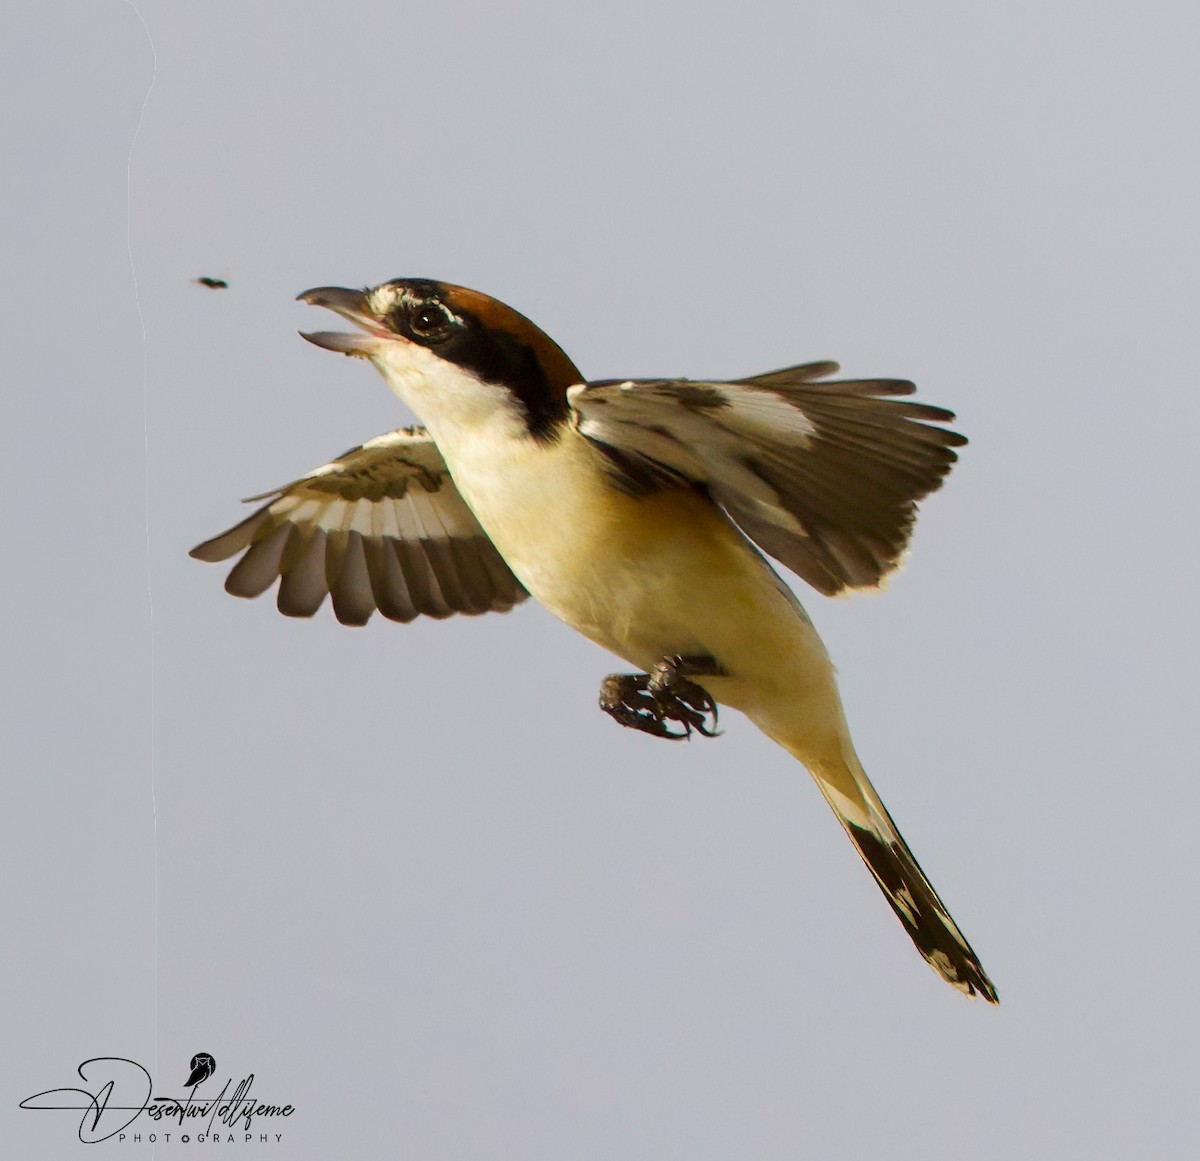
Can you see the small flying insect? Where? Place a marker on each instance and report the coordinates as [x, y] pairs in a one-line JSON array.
[[212, 283]]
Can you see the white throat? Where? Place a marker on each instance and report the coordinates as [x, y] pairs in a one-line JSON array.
[[453, 403]]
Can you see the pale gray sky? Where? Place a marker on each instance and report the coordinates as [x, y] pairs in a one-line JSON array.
[[410, 877]]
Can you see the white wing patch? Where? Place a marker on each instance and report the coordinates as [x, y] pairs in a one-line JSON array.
[[766, 416]]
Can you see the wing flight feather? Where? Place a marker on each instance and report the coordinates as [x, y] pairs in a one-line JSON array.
[[381, 527], [822, 475]]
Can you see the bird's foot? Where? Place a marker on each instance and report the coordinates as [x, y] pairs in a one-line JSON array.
[[652, 702], [691, 703]]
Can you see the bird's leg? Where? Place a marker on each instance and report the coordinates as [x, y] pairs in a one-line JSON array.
[[651, 701], [689, 703]]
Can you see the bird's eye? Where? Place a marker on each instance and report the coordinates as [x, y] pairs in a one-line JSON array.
[[430, 321]]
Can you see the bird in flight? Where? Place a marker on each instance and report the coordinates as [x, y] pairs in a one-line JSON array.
[[638, 512]]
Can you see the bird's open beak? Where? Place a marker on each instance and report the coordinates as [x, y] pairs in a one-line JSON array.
[[353, 306]]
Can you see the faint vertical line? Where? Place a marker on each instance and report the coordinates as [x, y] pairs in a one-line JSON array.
[[146, 496]]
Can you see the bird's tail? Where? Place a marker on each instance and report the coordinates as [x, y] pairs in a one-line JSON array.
[[861, 812]]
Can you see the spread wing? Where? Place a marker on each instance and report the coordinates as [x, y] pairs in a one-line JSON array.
[[823, 476], [381, 527]]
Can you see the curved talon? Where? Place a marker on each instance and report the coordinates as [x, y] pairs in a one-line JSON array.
[[624, 697], [671, 736], [650, 720], [682, 699], [650, 701]]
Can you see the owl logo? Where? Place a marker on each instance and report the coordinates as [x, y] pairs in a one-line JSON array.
[[204, 1064]]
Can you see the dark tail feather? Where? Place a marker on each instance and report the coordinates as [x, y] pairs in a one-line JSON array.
[[860, 810], [918, 907]]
